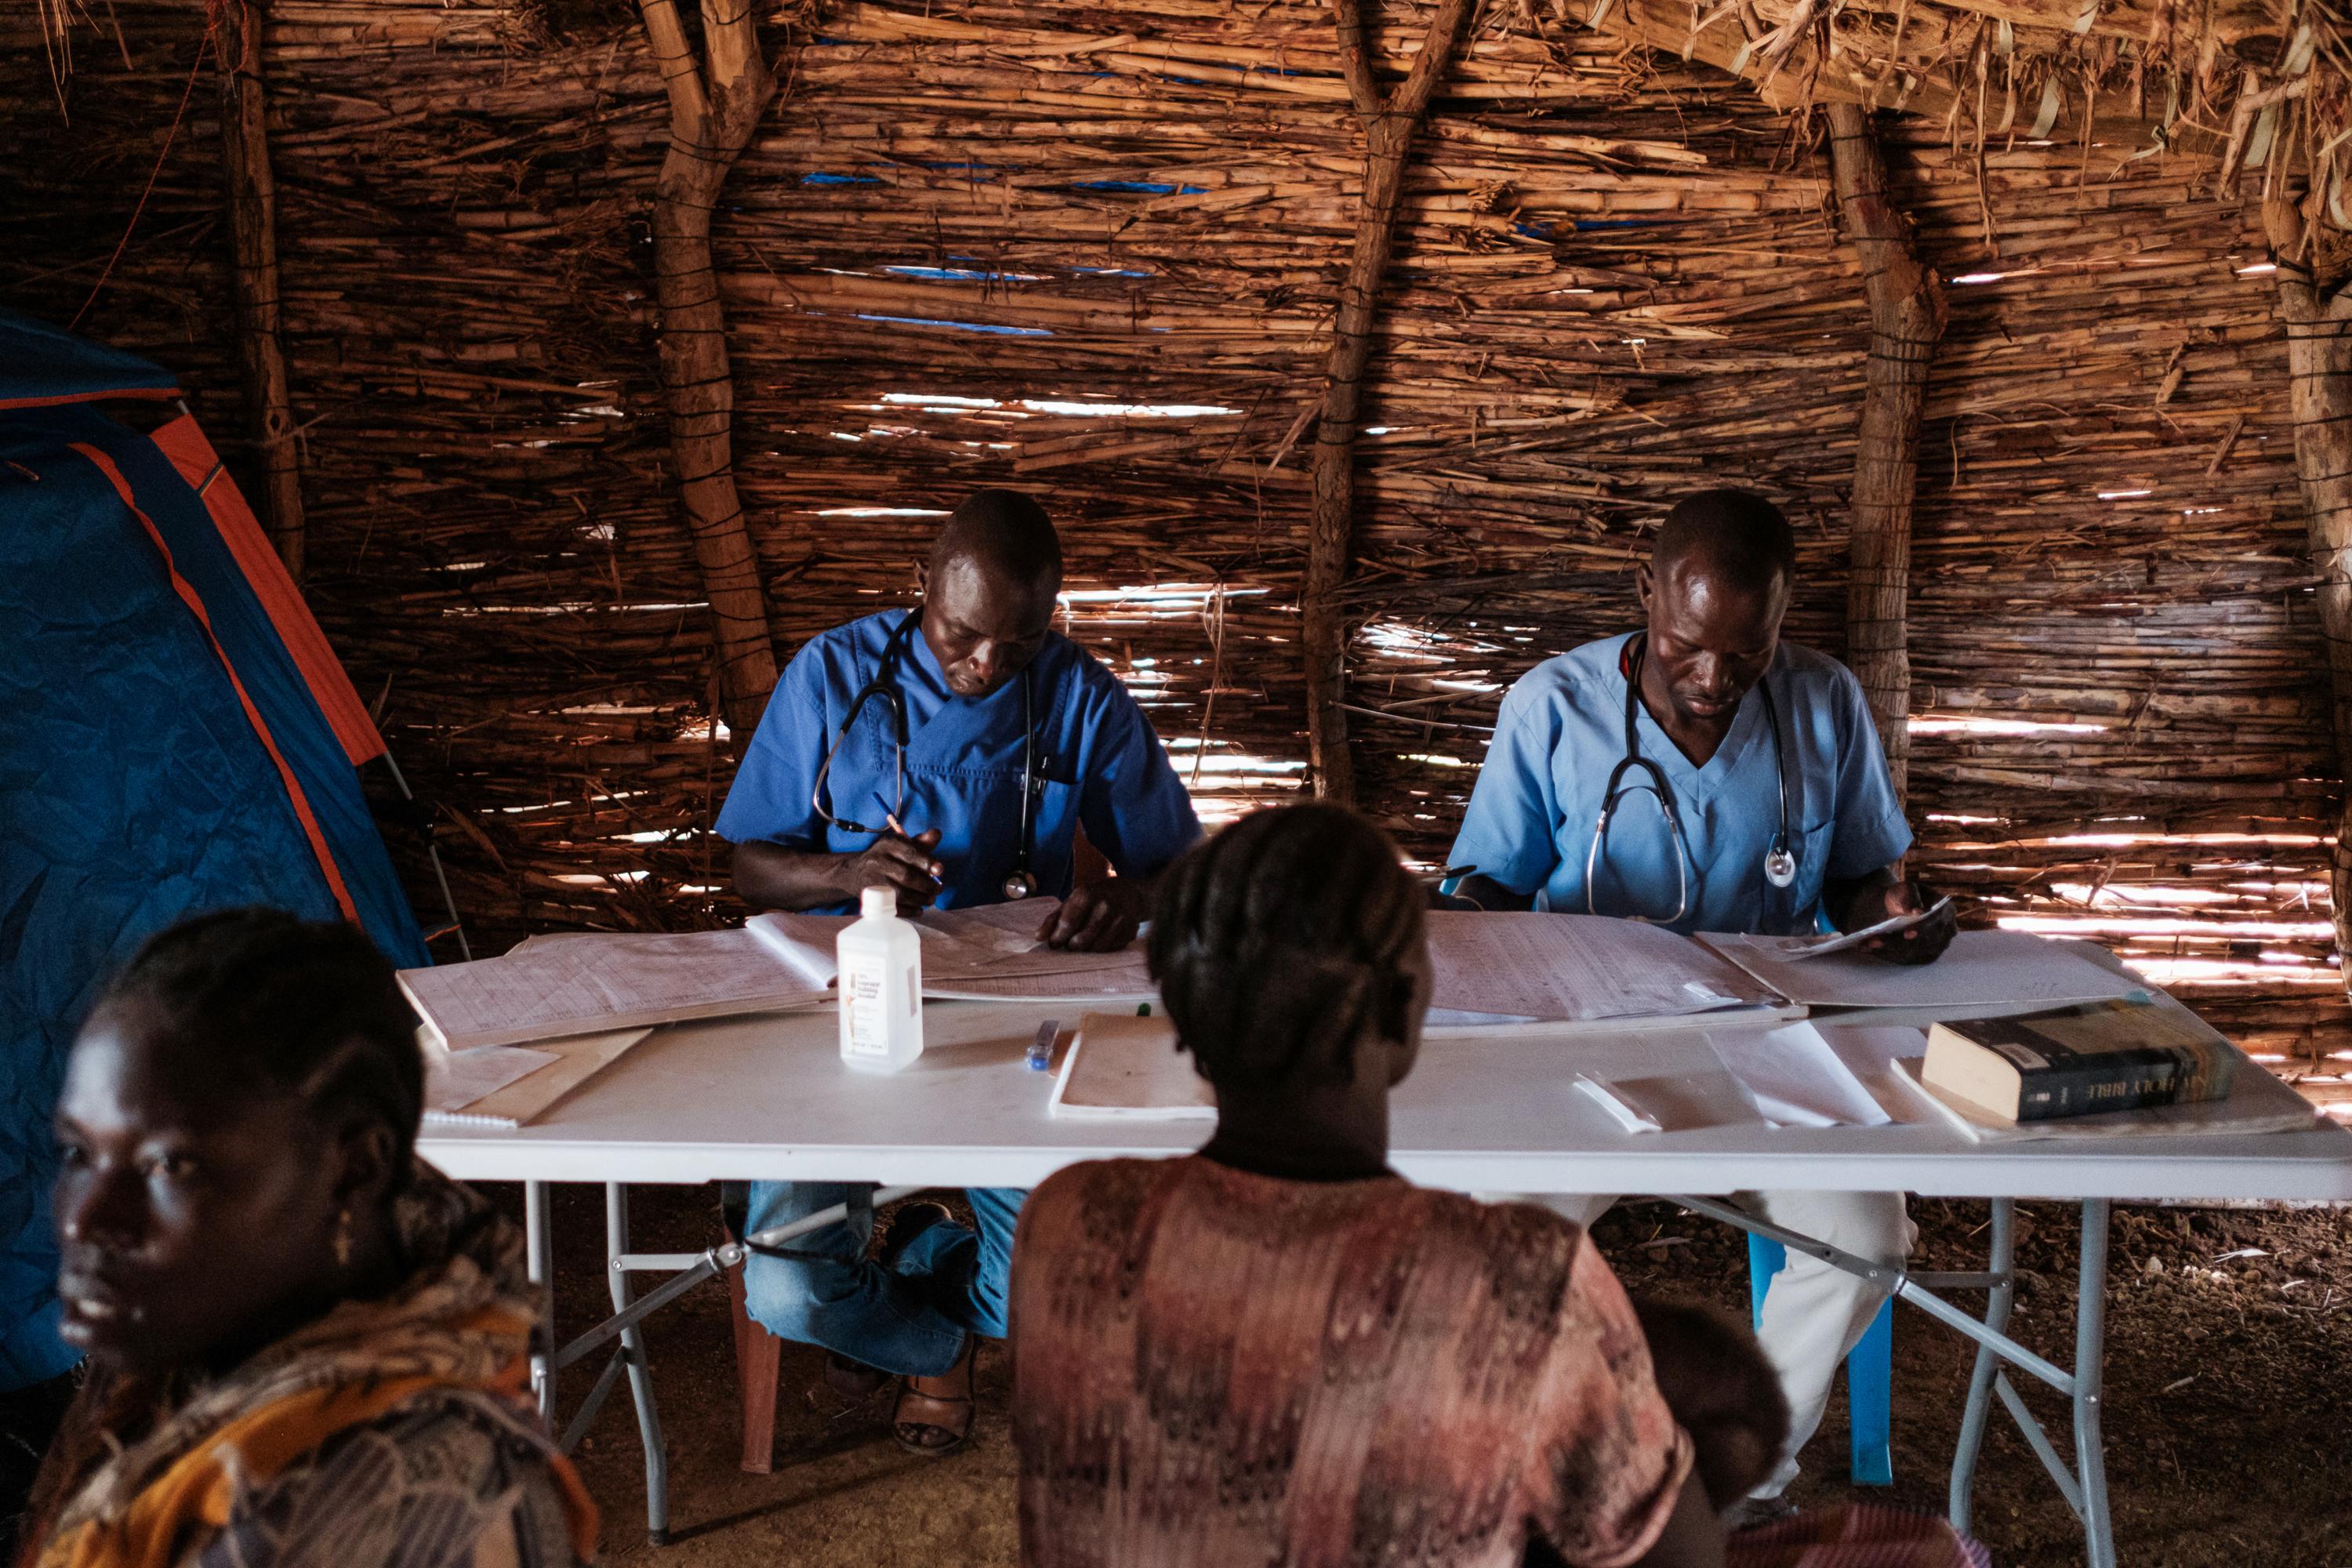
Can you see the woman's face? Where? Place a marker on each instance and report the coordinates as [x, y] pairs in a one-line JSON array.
[[196, 1216]]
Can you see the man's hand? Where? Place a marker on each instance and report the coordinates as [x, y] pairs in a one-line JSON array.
[[1098, 916], [896, 861], [1924, 943]]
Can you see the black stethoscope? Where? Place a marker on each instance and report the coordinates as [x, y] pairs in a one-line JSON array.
[[1779, 865], [884, 688]]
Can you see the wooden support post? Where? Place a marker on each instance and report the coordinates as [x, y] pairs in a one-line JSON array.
[[1906, 319], [1391, 121], [253, 241], [715, 104], [2319, 371]]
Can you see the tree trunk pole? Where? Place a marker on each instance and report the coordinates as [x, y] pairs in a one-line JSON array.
[[715, 105], [253, 242], [1906, 319], [1390, 123], [2319, 371]]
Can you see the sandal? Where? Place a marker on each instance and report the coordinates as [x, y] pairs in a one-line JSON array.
[[845, 1376], [933, 1418]]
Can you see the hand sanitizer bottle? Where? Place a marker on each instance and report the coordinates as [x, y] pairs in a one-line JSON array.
[[880, 961]]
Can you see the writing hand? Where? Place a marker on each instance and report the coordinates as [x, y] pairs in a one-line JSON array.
[[895, 860], [1924, 943], [1095, 917]]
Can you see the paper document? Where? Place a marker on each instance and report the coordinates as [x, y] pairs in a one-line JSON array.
[[1872, 1052], [1802, 947], [1795, 1078], [570, 1064], [1627, 1119], [990, 951], [1682, 1102], [1122, 1067], [1981, 969], [454, 1079], [1578, 967], [576, 984]]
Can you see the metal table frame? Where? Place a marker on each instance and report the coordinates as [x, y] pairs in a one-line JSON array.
[[686, 1270], [2083, 1484]]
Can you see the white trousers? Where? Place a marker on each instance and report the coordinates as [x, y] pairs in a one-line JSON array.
[[1814, 1314]]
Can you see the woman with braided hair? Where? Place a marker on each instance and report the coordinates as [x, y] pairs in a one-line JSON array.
[[307, 1349], [1277, 1350]]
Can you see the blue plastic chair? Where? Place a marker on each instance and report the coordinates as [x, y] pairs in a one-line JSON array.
[[1869, 1372]]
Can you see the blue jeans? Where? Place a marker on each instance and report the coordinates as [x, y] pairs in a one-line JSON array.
[[910, 1319]]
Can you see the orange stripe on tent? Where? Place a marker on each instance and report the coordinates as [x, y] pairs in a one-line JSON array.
[[158, 392], [183, 441], [188, 597]]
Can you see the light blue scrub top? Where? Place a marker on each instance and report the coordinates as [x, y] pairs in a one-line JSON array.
[[1103, 765], [1562, 729]]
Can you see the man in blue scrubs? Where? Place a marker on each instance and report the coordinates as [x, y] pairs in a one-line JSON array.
[[1695, 698], [996, 706]]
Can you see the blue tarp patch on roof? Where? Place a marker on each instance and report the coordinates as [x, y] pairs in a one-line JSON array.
[[960, 326]]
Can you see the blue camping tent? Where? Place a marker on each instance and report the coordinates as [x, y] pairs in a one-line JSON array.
[[175, 736]]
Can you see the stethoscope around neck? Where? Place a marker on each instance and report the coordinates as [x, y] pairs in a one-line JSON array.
[[1780, 864], [884, 688]]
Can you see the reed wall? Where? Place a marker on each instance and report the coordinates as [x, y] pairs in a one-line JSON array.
[[1094, 250]]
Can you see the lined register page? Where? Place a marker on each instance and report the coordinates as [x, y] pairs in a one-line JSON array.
[[558, 986], [1578, 968]]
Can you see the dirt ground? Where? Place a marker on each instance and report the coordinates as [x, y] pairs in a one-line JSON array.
[[2228, 1375]]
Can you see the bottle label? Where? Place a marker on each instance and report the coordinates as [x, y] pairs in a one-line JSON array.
[[864, 1006]]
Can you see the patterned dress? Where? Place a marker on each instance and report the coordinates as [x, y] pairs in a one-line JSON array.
[[455, 1480], [1213, 1367], [392, 1433]]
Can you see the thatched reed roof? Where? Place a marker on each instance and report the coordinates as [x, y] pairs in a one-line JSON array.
[[1094, 249]]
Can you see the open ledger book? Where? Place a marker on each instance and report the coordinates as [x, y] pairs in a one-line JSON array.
[[554, 987], [1542, 971], [1552, 969]]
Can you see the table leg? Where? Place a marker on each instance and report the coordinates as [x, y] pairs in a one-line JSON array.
[[539, 1250], [1979, 1409], [2090, 1384], [633, 1354]]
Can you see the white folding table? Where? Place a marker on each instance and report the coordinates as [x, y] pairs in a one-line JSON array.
[[769, 1099]]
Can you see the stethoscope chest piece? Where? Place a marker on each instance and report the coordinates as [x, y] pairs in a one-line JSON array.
[[1780, 863], [1019, 886]]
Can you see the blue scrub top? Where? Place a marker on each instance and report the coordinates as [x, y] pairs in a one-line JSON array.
[[1102, 764], [1562, 729]]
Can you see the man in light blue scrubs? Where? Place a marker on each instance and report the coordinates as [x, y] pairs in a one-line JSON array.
[[1745, 790], [951, 752]]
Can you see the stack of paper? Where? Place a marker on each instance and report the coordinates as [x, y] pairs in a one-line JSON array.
[[1781, 1075], [551, 987], [524, 1082], [1578, 969], [1120, 1066], [1795, 1078]]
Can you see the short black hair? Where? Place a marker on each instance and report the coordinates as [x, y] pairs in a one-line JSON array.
[[1278, 941], [1736, 534], [309, 1008], [1721, 1390], [1003, 530]]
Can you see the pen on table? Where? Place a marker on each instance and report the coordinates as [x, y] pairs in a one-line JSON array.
[[1041, 1049]]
